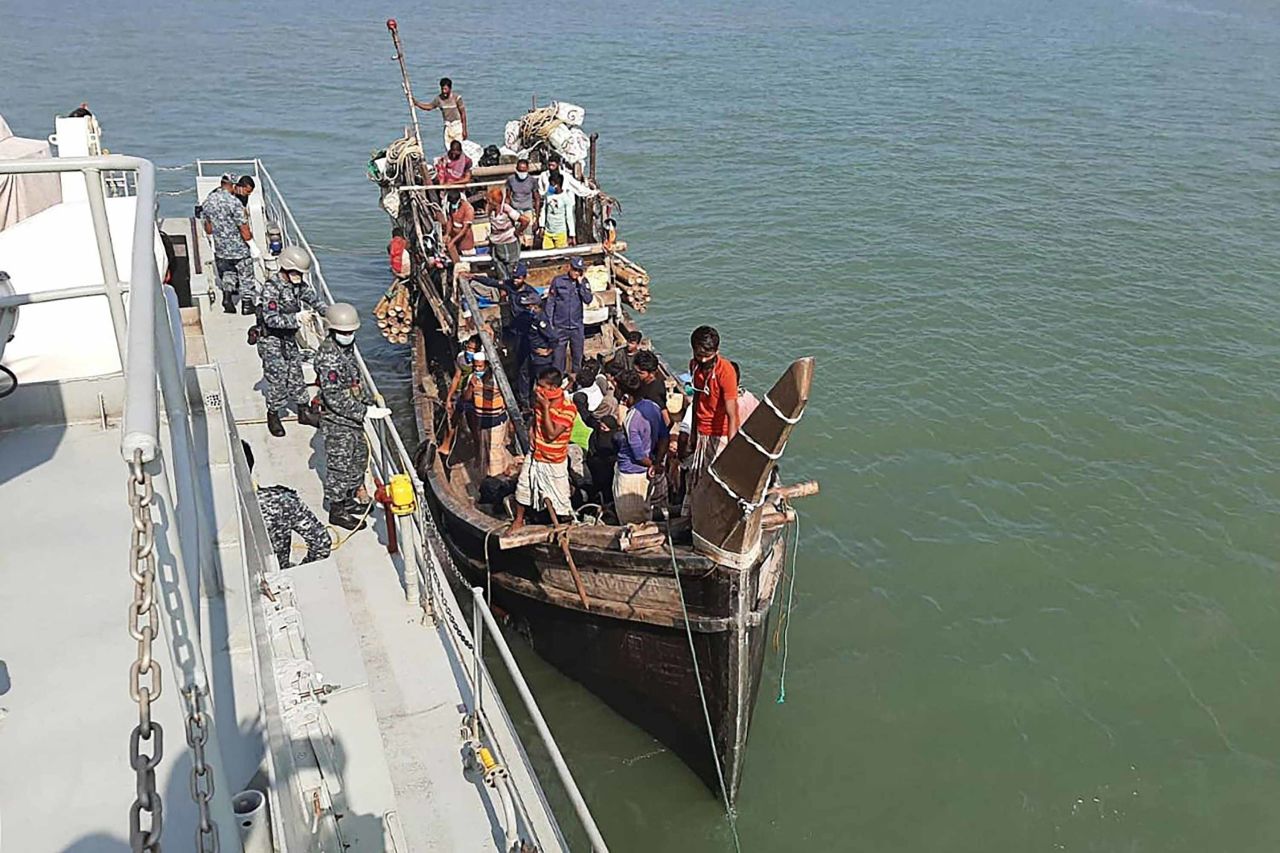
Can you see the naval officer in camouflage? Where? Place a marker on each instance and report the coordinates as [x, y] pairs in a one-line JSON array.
[[286, 514], [226, 221], [346, 405], [285, 296]]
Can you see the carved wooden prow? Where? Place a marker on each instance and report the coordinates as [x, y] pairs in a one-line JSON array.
[[729, 501]]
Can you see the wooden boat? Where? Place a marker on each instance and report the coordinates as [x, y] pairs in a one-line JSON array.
[[616, 607]]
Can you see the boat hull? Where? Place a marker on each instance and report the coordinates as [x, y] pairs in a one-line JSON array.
[[636, 657]]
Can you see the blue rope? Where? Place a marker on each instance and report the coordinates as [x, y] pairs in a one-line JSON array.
[[786, 616]]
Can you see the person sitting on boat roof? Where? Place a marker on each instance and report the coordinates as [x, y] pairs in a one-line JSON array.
[[454, 167], [641, 442], [523, 195], [452, 110], [286, 299], [566, 296], [460, 240], [569, 184], [624, 357], [715, 404], [544, 476], [285, 514], [557, 217], [486, 413], [505, 228]]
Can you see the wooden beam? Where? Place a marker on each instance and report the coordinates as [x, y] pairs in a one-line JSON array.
[[795, 490]]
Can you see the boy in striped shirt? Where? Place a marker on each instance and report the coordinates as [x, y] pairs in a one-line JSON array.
[[545, 473]]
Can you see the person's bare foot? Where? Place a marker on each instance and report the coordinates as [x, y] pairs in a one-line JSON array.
[[515, 525]]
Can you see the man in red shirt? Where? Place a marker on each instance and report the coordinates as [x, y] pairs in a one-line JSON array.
[[545, 473], [715, 404]]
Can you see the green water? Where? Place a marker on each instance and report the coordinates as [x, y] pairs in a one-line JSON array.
[[1034, 249]]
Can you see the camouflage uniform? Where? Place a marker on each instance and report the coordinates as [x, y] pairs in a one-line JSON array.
[[231, 256], [345, 400], [284, 512], [277, 341]]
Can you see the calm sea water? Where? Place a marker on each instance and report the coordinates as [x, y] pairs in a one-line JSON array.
[[1034, 248]]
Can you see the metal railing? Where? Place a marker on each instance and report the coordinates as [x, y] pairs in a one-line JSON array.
[[428, 566], [149, 350]]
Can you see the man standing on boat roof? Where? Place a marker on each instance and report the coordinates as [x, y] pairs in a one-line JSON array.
[[715, 404], [226, 221], [347, 404], [565, 299], [285, 297], [452, 110]]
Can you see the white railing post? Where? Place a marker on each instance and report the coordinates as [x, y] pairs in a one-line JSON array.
[[484, 617], [107, 255]]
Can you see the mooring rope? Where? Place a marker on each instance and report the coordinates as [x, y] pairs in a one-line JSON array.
[[697, 674]]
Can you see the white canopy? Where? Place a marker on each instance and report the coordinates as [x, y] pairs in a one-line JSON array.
[[24, 195]]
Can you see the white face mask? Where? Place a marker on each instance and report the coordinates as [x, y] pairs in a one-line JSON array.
[[294, 277], [522, 176], [345, 338]]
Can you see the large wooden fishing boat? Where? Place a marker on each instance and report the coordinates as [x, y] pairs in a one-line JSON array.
[[666, 621]]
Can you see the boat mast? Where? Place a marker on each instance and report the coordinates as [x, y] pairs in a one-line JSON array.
[[394, 29]]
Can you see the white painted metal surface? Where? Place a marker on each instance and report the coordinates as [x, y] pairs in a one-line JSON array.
[[328, 690]]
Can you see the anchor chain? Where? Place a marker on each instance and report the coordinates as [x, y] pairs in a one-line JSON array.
[[197, 725], [143, 624]]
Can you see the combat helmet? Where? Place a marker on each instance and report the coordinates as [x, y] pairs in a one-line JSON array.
[[295, 258], [342, 317]]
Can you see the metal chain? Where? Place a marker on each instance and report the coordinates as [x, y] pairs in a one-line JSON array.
[[434, 548], [197, 725], [143, 623]]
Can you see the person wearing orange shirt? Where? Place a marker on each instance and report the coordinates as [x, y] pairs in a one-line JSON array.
[[715, 404], [545, 473]]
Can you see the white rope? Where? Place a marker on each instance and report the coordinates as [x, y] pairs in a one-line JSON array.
[[751, 441], [747, 506], [786, 626], [777, 412], [697, 674]]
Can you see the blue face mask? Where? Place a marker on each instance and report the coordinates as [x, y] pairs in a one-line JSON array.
[[551, 190], [470, 356]]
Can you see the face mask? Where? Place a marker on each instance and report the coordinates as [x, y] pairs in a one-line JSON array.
[[294, 277], [470, 356], [480, 371], [551, 190], [522, 176], [345, 338]]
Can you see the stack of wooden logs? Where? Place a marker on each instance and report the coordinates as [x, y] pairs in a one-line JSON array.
[[395, 314], [632, 280]]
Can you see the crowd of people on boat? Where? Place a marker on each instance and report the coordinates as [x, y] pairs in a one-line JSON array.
[[606, 431]]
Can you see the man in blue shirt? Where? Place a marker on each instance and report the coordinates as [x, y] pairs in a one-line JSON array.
[[641, 443], [536, 342], [565, 298]]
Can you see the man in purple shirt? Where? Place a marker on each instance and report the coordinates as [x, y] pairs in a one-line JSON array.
[[641, 446]]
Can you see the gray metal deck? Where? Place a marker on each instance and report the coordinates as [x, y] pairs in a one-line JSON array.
[[381, 763]]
